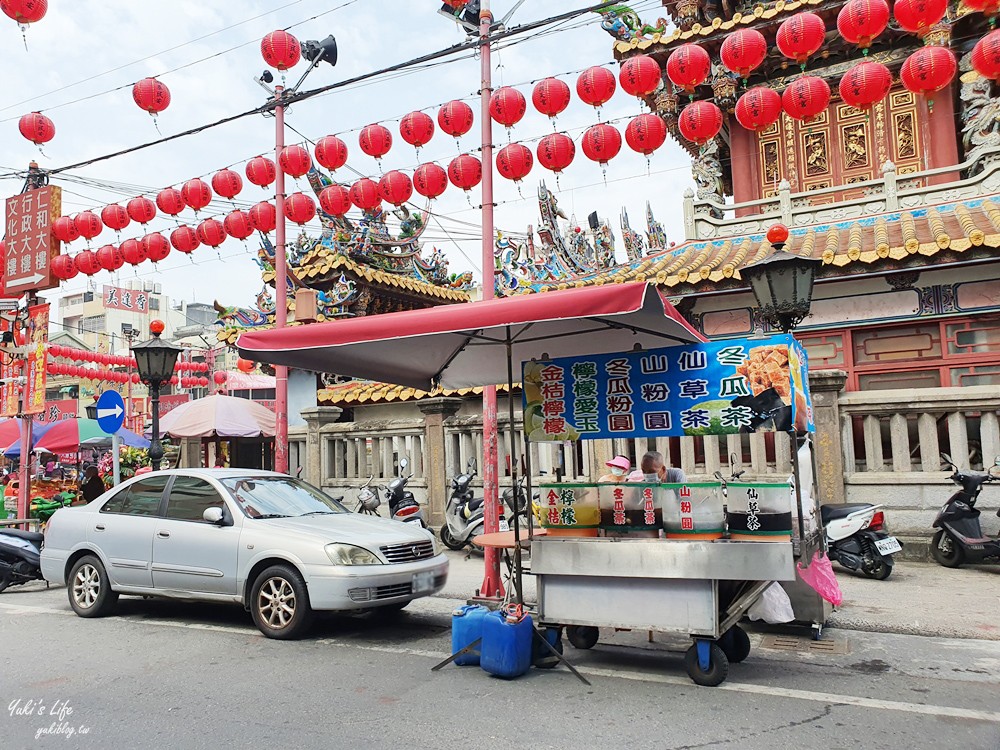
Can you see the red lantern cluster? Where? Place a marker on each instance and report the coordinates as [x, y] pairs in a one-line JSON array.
[[743, 51], [865, 84], [758, 109], [688, 66], [700, 121], [800, 36], [860, 21]]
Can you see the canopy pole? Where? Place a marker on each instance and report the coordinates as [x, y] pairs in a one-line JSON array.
[[491, 587], [518, 599], [280, 288], [24, 471], [116, 444]]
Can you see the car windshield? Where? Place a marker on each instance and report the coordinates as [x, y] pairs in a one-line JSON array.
[[279, 497]]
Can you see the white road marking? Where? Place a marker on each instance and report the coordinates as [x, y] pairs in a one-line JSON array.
[[736, 687]]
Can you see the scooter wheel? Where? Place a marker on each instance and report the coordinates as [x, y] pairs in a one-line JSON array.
[[946, 550], [879, 570], [449, 541]]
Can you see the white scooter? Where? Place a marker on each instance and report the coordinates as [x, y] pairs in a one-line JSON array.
[[857, 540]]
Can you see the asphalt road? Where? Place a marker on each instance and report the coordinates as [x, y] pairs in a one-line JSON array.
[[176, 675]]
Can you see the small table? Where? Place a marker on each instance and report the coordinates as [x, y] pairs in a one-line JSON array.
[[505, 539]]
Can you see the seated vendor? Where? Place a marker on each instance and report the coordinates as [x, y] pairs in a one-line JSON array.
[[653, 469], [619, 466]]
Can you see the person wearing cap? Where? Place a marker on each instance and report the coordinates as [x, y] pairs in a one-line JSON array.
[[619, 466]]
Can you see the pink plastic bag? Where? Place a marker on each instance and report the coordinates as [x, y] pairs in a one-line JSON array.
[[820, 577]]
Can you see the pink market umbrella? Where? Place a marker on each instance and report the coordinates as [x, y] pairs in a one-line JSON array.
[[218, 416]]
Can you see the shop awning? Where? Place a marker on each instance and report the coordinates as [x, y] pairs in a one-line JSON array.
[[463, 346]]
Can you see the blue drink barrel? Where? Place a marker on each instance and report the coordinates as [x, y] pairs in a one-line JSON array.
[[466, 628], [506, 645]]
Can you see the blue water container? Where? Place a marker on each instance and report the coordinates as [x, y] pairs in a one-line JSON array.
[[506, 648], [466, 628]]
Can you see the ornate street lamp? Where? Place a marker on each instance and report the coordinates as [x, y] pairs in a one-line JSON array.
[[155, 360], [782, 283]]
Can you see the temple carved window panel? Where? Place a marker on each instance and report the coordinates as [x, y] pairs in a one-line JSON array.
[[902, 99], [816, 153], [854, 146], [905, 137], [770, 158]]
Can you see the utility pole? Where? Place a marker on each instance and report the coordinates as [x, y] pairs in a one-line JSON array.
[[280, 288]]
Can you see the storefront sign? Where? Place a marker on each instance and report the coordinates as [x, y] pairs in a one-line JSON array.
[[58, 410], [34, 366], [29, 241], [131, 300], [172, 401], [714, 388], [10, 391]]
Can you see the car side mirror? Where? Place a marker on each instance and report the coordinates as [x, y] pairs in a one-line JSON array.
[[213, 515]]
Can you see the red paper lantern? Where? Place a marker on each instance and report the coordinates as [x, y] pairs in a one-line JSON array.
[[865, 83], [743, 51], [63, 267], [986, 7], [185, 239], [917, 16], [602, 142], [219, 378], [430, 180], [295, 160], [860, 21], [280, 50], [151, 95], [261, 171], [375, 140], [237, 224], [25, 11], [929, 69], [639, 75], [211, 232], [133, 252], [806, 97], [196, 193], [550, 96], [799, 36], [227, 183], [64, 229], [645, 133], [507, 106], [115, 217], [465, 171], [986, 56], [364, 194], [245, 365], [700, 121], [416, 128], [455, 118], [395, 188], [170, 201], [331, 152], [595, 86], [300, 208], [263, 217], [110, 258], [55, 350], [202, 381], [37, 128], [759, 108], [134, 377], [688, 66], [174, 380], [87, 224], [335, 200], [514, 161], [141, 210], [777, 234], [156, 246], [556, 151]]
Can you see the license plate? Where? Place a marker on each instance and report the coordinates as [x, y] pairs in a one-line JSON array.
[[888, 546], [504, 526], [423, 582]]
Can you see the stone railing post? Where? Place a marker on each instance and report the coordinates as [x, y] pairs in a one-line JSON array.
[[825, 386], [435, 411], [690, 231], [785, 201], [891, 186], [316, 417]]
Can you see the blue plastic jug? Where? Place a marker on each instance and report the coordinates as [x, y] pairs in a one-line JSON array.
[[506, 648], [466, 628]]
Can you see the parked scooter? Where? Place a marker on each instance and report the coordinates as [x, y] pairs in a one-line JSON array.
[[402, 505], [19, 557], [960, 539], [464, 515], [856, 538]]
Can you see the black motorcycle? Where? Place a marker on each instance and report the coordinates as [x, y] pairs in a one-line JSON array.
[[20, 557], [959, 538]]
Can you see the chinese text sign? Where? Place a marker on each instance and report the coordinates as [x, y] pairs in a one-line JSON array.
[[29, 241]]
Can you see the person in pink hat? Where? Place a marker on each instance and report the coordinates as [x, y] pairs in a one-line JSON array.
[[619, 466]]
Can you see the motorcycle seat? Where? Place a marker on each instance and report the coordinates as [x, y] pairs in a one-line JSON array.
[[842, 510], [35, 537], [476, 503]]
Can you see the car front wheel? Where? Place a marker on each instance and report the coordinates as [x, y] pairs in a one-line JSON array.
[[279, 603], [89, 589]]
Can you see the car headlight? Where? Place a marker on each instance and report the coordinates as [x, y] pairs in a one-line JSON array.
[[348, 554]]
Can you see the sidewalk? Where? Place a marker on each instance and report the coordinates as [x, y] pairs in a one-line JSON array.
[[918, 599]]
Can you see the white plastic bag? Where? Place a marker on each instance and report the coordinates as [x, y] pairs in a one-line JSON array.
[[773, 606]]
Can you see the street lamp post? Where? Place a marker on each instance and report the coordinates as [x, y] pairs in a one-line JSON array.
[[155, 359], [782, 283]]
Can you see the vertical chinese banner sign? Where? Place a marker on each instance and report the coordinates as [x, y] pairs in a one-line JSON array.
[[34, 366], [29, 241], [9, 391]]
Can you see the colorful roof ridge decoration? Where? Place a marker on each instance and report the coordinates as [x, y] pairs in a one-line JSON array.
[[367, 392]]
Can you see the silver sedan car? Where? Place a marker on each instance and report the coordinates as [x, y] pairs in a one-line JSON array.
[[270, 542]]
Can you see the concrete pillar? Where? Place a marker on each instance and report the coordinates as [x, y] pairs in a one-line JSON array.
[[190, 453], [825, 386], [316, 417], [435, 411]]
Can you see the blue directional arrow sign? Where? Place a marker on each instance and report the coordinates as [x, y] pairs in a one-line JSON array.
[[110, 412]]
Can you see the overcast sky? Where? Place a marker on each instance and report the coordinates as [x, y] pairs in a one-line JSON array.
[[84, 55]]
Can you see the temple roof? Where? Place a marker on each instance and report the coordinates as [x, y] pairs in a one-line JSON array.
[[362, 392]]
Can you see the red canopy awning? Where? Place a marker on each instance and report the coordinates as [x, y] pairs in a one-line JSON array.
[[463, 346]]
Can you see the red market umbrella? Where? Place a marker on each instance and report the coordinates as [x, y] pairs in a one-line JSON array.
[[464, 346]]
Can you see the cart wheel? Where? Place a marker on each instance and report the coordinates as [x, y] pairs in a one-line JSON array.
[[718, 665], [582, 636], [817, 631], [735, 644], [543, 658]]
